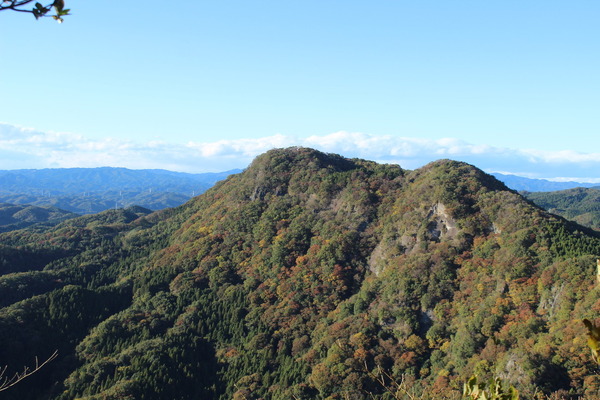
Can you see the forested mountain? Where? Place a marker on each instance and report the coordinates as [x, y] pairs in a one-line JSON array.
[[21, 216], [91, 190], [580, 204], [307, 276]]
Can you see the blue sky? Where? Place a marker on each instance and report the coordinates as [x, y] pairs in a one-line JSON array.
[[509, 86]]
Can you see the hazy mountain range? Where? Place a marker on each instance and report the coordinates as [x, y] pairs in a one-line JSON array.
[[91, 190], [307, 276], [539, 185], [62, 181]]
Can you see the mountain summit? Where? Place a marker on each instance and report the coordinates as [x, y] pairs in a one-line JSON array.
[[307, 276]]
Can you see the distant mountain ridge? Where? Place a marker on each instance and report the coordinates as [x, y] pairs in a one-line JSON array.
[[521, 183], [92, 190], [60, 181]]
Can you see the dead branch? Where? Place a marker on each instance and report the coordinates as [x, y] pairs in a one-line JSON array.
[[6, 382]]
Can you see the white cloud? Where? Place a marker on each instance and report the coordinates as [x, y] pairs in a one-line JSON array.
[[574, 179], [563, 156], [28, 148], [241, 147]]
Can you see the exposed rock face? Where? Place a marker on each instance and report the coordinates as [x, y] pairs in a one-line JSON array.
[[376, 261], [442, 224]]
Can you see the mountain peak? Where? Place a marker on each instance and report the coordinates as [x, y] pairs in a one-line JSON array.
[[292, 170], [455, 171], [291, 157]]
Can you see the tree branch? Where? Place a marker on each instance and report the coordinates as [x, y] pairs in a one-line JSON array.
[[6, 382], [39, 10], [13, 4]]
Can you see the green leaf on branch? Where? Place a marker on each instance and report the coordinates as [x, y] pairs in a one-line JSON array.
[[59, 5]]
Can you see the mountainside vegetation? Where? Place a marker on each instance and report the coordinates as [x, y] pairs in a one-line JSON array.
[[307, 276], [581, 205]]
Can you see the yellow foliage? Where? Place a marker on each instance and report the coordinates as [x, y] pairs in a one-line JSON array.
[[205, 230], [593, 338]]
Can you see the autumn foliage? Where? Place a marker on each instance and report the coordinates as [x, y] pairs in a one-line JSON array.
[[307, 276]]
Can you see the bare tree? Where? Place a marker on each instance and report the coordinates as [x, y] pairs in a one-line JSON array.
[[6, 382]]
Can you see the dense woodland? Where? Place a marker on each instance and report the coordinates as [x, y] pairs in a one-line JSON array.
[[307, 276], [581, 205]]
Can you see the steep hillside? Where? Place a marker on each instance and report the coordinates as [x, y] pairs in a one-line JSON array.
[[580, 205], [307, 276]]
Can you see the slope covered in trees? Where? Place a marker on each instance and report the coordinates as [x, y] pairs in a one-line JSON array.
[[307, 276], [580, 204]]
